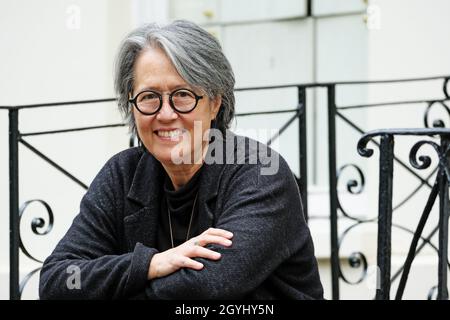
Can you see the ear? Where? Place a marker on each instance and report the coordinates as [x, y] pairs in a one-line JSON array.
[[215, 107]]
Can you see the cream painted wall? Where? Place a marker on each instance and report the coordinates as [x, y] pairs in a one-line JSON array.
[[49, 54], [409, 43]]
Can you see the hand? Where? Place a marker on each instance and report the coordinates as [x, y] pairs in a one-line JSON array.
[[169, 261]]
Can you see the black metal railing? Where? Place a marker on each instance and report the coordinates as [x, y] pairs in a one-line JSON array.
[[440, 188], [16, 212], [385, 191], [337, 212]]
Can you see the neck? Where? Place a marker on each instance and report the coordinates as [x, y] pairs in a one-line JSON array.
[[181, 174]]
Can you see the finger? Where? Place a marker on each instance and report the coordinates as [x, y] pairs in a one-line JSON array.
[[200, 252], [206, 239], [219, 232], [190, 263]]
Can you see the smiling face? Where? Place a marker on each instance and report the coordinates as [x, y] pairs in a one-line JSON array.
[[168, 131]]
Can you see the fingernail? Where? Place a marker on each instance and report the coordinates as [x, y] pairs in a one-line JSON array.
[[228, 242], [217, 254]]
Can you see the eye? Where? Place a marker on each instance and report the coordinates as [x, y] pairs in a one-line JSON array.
[[148, 96], [183, 94]]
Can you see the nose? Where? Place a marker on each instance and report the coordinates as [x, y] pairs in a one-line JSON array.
[[166, 113]]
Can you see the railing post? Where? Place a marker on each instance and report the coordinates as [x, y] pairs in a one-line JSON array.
[[14, 293], [333, 190], [303, 149], [444, 207], [385, 217]]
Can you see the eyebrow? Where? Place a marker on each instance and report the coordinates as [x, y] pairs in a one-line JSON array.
[[181, 86]]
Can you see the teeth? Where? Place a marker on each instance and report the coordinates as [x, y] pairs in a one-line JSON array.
[[169, 134]]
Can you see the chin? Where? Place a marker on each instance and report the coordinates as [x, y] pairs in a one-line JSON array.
[[164, 156], [161, 155]]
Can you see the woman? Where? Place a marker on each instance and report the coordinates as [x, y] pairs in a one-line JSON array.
[[176, 219]]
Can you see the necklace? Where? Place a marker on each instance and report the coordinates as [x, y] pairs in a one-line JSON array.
[[190, 221]]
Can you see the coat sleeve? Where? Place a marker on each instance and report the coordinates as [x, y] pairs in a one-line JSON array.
[[268, 226], [85, 263]]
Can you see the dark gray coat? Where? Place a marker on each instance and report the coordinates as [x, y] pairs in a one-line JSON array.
[[112, 240]]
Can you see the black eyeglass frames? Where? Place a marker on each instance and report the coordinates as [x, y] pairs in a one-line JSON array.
[[149, 102]]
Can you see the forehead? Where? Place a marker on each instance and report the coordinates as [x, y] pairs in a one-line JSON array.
[[154, 70]]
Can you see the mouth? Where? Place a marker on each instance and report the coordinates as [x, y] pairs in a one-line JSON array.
[[169, 134]]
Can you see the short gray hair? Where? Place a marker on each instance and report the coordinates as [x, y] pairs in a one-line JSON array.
[[196, 55]]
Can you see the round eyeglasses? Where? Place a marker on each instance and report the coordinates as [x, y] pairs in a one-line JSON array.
[[149, 102]]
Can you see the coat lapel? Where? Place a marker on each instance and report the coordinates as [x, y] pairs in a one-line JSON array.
[[144, 195], [141, 227], [210, 182]]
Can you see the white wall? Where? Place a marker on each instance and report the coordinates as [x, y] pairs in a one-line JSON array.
[[412, 39], [405, 39], [411, 42], [48, 57]]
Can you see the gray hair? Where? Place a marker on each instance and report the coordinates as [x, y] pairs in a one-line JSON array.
[[196, 55]]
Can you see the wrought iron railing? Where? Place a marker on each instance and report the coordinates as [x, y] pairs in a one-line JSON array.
[[16, 213], [440, 187], [385, 192], [337, 211]]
